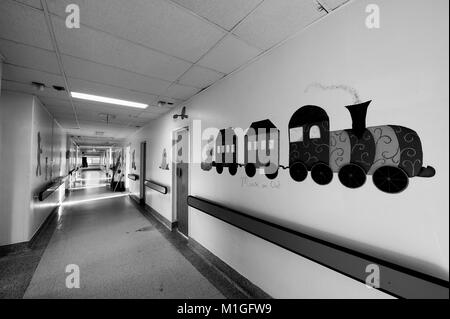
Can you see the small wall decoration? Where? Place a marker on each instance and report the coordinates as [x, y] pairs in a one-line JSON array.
[[164, 164], [46, 168], [206, 164], [133, 163], [39, 152], [60, 162], [392, 154]]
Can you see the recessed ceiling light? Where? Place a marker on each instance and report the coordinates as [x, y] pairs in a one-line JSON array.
[[109, 100]]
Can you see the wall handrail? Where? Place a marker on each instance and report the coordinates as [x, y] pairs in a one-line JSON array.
[[50, 188], [133, 177], [395, 280], [156, 186]]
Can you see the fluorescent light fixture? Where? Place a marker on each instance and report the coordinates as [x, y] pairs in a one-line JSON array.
[[109, 100]]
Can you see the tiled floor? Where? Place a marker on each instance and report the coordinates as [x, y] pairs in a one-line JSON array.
[[121, 250], [120, 254]]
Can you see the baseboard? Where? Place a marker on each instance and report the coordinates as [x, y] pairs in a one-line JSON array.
[[245, 285], [148, 209], [13, 248], [23, 246], [135, 199], [44, 225], [170, 225]]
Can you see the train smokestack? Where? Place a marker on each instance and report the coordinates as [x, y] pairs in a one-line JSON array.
[[358, 113]]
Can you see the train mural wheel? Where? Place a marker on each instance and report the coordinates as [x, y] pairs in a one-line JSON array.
[[250, 169], [321, 173], [298, 171], [390, 179], [352, 176], [272, 168], [219, 168], [232, 169]]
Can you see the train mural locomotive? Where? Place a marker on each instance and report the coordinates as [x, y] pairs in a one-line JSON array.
[[390, 153]]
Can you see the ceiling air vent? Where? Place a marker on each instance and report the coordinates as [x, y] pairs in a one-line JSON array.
[[38, 86], [164, 103], [59, 88]]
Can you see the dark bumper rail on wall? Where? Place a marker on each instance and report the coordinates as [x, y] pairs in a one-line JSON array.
[[50, 188], [395, 280], [155, 186], [133, 177]]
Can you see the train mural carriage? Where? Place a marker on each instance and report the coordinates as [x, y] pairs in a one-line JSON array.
[[262, 149], [390, 153], [226, 150]]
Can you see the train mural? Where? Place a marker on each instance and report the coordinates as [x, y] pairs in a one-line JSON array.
[[391, 154]]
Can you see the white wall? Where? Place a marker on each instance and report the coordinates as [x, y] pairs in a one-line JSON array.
[[1, 72], [158, 137], [403, 68], [22, 116], [52, 142], [15, 153]]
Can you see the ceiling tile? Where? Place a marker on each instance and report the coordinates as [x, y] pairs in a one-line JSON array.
[[28, 56], [224, 13], [149, 115], [55, 103], [82, 86], [181, 92], [32, 3], [68, 123], [27, 88], [105, 49], [228, 55], [157, 24], [86, 70], [275, 20], [332, 4], [200, 77], [110, 130], [23, 24], [26, 76], [104, 109]]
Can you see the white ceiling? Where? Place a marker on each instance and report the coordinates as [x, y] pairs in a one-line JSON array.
[[138, 50]]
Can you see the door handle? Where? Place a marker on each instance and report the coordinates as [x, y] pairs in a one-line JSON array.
[[179, 173]]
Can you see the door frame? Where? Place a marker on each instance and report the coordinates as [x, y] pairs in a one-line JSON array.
[[174, 176], [127, 160], [142, 170]]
